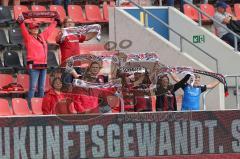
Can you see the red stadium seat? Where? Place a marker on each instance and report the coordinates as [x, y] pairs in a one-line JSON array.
[[87, 48], [60, 10], [5, 79], [190, 12], [229, 10], [93, 13], [5, 109], [23, 79], [18, 9], [237, 10], [208, 9], [112, 3], [37, 105], [105, 11], [75, 12], [20, 106], [41, 8]]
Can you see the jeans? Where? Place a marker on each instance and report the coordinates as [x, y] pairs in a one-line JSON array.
[[66, 3], [37, 77], [229, 38]]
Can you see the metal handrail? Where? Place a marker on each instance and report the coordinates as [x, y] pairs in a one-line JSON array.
[[170, 28], [200, 12], [237, 87]]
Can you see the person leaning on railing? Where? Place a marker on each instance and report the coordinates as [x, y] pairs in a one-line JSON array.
[[223, 17]]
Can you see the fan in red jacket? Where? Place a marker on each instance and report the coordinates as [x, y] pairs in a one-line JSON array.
[[70, 45], [57, 102], [37, 50]]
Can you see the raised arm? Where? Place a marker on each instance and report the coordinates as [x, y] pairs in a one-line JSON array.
[[181, 83], [23, 27], [212, 84], [175, 77]]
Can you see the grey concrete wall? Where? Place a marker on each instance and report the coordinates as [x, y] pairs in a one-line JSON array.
[[227, 58], [124, 26]]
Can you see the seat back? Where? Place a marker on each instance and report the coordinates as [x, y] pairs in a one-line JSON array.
[[208, 9], [15, 36], [5, 109], [38, 8], [237, 10], [5, 14], [3, 38], [5, 79], [52, 60], [11, 59], [229, 10], [60, 10], [18, 9], [75, 12], [36, 104], [190, 12], [20, 106], [23, 79], [105, 11], [93, 13]]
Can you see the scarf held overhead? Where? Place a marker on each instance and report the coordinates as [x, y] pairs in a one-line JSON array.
[[40, 14], [82, 30]]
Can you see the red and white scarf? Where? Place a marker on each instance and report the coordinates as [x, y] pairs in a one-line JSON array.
[[82, 30]]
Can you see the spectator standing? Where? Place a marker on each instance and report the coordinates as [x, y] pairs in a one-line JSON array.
[[191, 97], [165, 92], [69, 45], [37, 50]]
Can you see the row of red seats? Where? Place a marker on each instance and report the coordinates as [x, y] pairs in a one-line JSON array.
[[20, 107], [208, 9], [92, 12], [22, 79]]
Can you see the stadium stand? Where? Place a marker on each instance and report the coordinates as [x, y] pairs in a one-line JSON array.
[[3, 39], [20, 106], [208, 9], [237, 10], [229, 10], [190, 12], [105, 12], [5, 79], [87, 48], [60, 10], [51, 60], [23, 79], [75, 12], [15, 37], [11, 59], [18, 9], [93, 14], [36, 104], [40, 8], [5, 15], [5, 109]]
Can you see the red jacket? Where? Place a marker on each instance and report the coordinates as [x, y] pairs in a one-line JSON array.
[[54, 103], [50, 100], [37, 48]]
